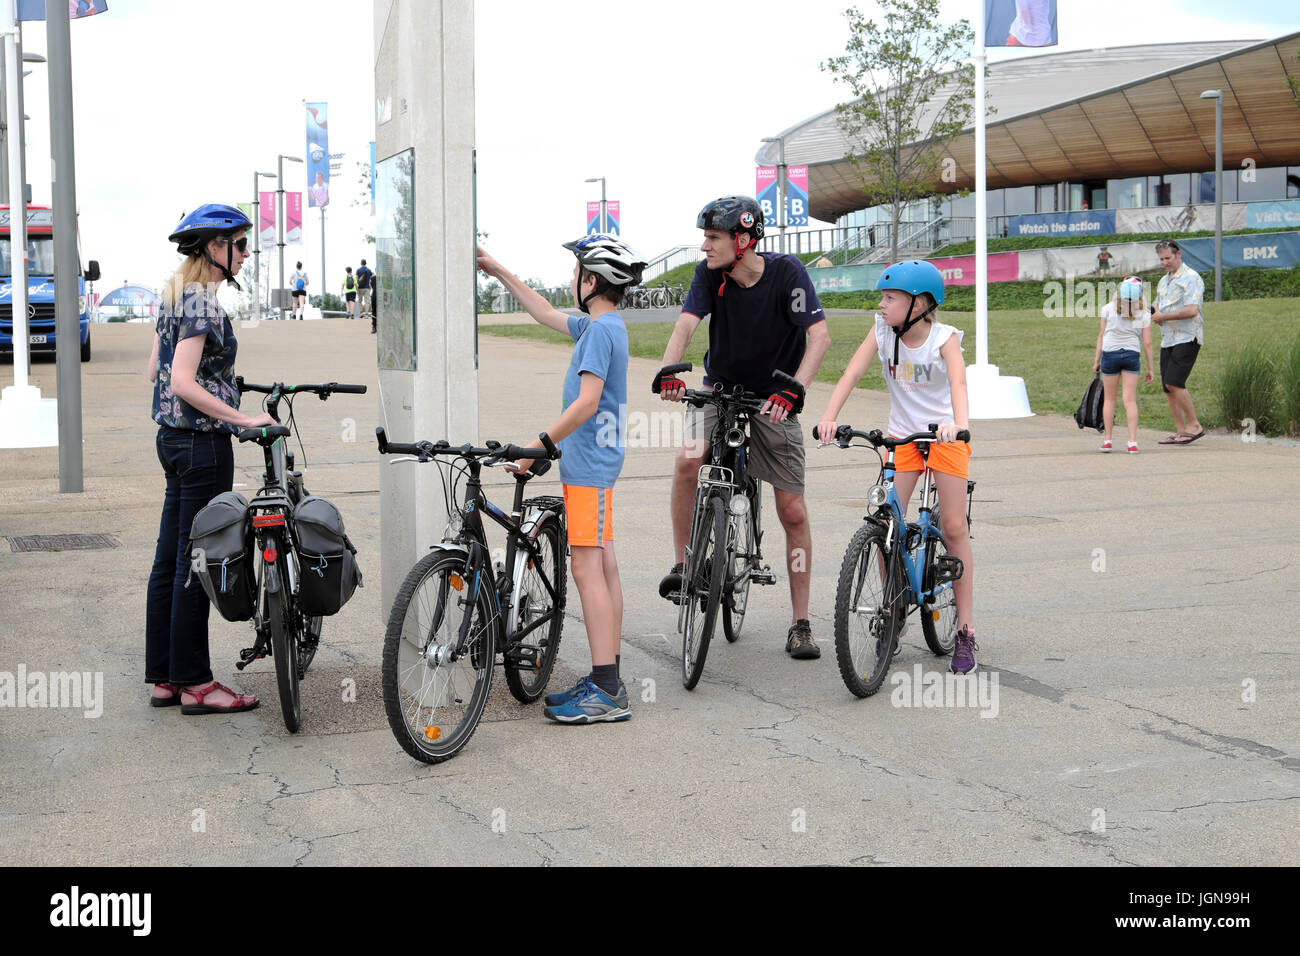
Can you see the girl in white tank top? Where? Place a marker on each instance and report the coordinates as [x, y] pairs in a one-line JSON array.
[[926, 377]]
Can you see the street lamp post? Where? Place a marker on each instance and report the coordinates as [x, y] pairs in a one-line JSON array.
[[257, 240], [604, 221], [780, 179], [280, 221], [1217, 96]]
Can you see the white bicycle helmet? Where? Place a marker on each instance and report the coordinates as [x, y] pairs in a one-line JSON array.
[[609, 258]]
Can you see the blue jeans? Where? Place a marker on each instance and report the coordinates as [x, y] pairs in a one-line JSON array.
[[198, 467]]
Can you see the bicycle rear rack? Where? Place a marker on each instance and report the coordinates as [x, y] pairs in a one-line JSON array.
[[716, 476]]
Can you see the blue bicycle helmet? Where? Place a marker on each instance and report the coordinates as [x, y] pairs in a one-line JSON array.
[[913, 277], [209, 221]]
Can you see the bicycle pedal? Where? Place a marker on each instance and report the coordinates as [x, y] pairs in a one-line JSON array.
[[948, 568], [766, 576], [524, 655]]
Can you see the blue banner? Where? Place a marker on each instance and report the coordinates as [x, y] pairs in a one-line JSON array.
[[1273, 215], [318, 155], [35, 9], [1087, 222], [1268, 250]]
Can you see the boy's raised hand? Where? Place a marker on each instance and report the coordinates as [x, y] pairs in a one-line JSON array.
[[487, 264]]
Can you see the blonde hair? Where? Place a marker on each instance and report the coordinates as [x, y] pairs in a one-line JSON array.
[[193, 275], [1132, 309]]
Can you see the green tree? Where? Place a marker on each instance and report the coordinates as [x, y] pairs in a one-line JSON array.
[[911, 96]]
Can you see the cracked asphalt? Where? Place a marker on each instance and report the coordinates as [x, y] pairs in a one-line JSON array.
[[1134, 609]]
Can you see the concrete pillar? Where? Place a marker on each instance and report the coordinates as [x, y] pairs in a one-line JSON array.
[[424, 68]]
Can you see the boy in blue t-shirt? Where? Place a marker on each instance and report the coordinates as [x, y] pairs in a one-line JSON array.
[[590, 435]]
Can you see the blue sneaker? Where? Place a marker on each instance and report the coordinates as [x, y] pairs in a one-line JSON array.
[[575, 692], [595, 705]]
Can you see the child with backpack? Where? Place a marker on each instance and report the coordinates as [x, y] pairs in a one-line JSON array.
[[350, 292], [298, 285], [923, 367], [1125, 324]]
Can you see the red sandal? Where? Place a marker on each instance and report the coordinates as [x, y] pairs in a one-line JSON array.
[[241, 701], [171, 700]]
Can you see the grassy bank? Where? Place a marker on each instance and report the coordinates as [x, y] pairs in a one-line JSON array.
[[1018, 243], [1054, 356]]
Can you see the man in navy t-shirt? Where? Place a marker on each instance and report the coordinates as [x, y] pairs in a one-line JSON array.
[[763, 317]]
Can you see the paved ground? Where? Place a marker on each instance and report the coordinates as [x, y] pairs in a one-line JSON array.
[[1136, 611]]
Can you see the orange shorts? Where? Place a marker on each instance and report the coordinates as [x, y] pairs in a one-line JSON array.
[[950, 457], [590, 515]]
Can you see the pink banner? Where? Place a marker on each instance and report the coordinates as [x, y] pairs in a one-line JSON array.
[[293, 218], [266, 218], [960, 270]]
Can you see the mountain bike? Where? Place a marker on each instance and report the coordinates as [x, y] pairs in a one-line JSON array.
[[892, 566], [458, 609], [283, 629], [724, 555]]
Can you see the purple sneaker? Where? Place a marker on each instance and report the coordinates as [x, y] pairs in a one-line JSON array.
[[963, 658]]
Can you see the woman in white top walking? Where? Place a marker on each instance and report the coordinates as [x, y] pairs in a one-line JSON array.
[[1125, 325]]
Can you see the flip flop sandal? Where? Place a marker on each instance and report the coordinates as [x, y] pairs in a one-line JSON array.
[[172, 701], [241, 701], [1171, 440], [1192, 438]]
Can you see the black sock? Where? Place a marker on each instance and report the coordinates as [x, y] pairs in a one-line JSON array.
[[618, 666], [605, 676]]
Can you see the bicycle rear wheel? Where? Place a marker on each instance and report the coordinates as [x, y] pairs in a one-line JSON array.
[[434, 703], [866, 615], [282, 614], [532, 601], [938, 615], [703, 581]]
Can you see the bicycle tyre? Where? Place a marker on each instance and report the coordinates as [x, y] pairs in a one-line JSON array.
[[710, 536], [527, 684], [939, 617], [864, 639], [661, 298], [735, 598], [284, 651], [425, 612]]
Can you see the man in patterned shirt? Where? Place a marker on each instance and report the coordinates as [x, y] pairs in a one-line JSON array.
[[1177, 310]]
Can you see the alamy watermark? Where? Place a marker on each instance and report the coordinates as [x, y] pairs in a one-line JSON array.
[[75, 690], [945, 689]]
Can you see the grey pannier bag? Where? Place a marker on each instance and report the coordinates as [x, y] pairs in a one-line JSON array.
[[327, 562], [219, 553]]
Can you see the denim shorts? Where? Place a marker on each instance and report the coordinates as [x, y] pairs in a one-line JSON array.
[[1121, 360]]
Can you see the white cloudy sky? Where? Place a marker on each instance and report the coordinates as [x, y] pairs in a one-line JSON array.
[[677, 95]]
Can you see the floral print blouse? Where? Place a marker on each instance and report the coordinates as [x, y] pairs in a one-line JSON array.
[[198, 313]]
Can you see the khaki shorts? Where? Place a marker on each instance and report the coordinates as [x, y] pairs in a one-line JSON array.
[[776, 452]]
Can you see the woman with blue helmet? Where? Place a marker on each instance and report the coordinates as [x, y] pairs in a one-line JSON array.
[[196, 406], [926, 376]]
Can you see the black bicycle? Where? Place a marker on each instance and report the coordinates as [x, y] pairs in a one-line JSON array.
[[283, 628], [457, 610], [724, 555]]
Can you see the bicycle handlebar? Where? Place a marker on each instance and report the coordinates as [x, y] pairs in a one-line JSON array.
[[493, 452], [879, 440], [324, 390]]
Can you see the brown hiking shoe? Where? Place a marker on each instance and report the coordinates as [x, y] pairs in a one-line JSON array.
[[799, 641]]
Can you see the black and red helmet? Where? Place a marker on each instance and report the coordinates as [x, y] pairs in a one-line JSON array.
[[732, 214]]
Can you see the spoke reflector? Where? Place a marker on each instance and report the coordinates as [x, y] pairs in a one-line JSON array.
[[457, 582], [433, 733]]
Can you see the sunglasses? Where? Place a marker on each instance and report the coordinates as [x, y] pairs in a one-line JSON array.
[[241, 244]]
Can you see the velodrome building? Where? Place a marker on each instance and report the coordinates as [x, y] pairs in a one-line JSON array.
[[1101, 142]]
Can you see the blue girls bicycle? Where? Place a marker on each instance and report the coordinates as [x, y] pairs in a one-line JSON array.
[[892, 565]]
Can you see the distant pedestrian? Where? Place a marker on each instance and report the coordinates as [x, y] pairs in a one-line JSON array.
[[350, 292], [365, 291], [298, 283], [1103, 261], [196, 406], [1177, 311], [374, 303], [1125, 327]]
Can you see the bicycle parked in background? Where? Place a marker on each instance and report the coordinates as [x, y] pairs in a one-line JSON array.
[[724, 555], [892, 565], [457, 610]]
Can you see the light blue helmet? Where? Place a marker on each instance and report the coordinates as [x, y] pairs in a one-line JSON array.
[[1131, 289], [913, 277]]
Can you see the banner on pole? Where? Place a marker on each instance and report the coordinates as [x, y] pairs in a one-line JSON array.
[[612, 215], [766, 186], [266, 219], [593, 218], [35, 9], [318, 155], [293, 219], [1020, 23], [796, 195]]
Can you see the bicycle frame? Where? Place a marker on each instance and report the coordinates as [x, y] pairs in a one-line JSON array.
[[900, 532]]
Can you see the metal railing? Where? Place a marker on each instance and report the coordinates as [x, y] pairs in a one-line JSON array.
[[674, 257]]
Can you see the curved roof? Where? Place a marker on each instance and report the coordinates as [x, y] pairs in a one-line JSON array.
[[1094, 114]]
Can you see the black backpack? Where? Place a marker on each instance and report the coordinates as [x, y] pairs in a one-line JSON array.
[[1088, 414]]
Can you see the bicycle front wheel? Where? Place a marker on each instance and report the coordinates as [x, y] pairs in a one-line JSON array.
[[740, 564], [939, 614], [533, 601], [281, 616], [434, 703], [703, 584], [866, 616]]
